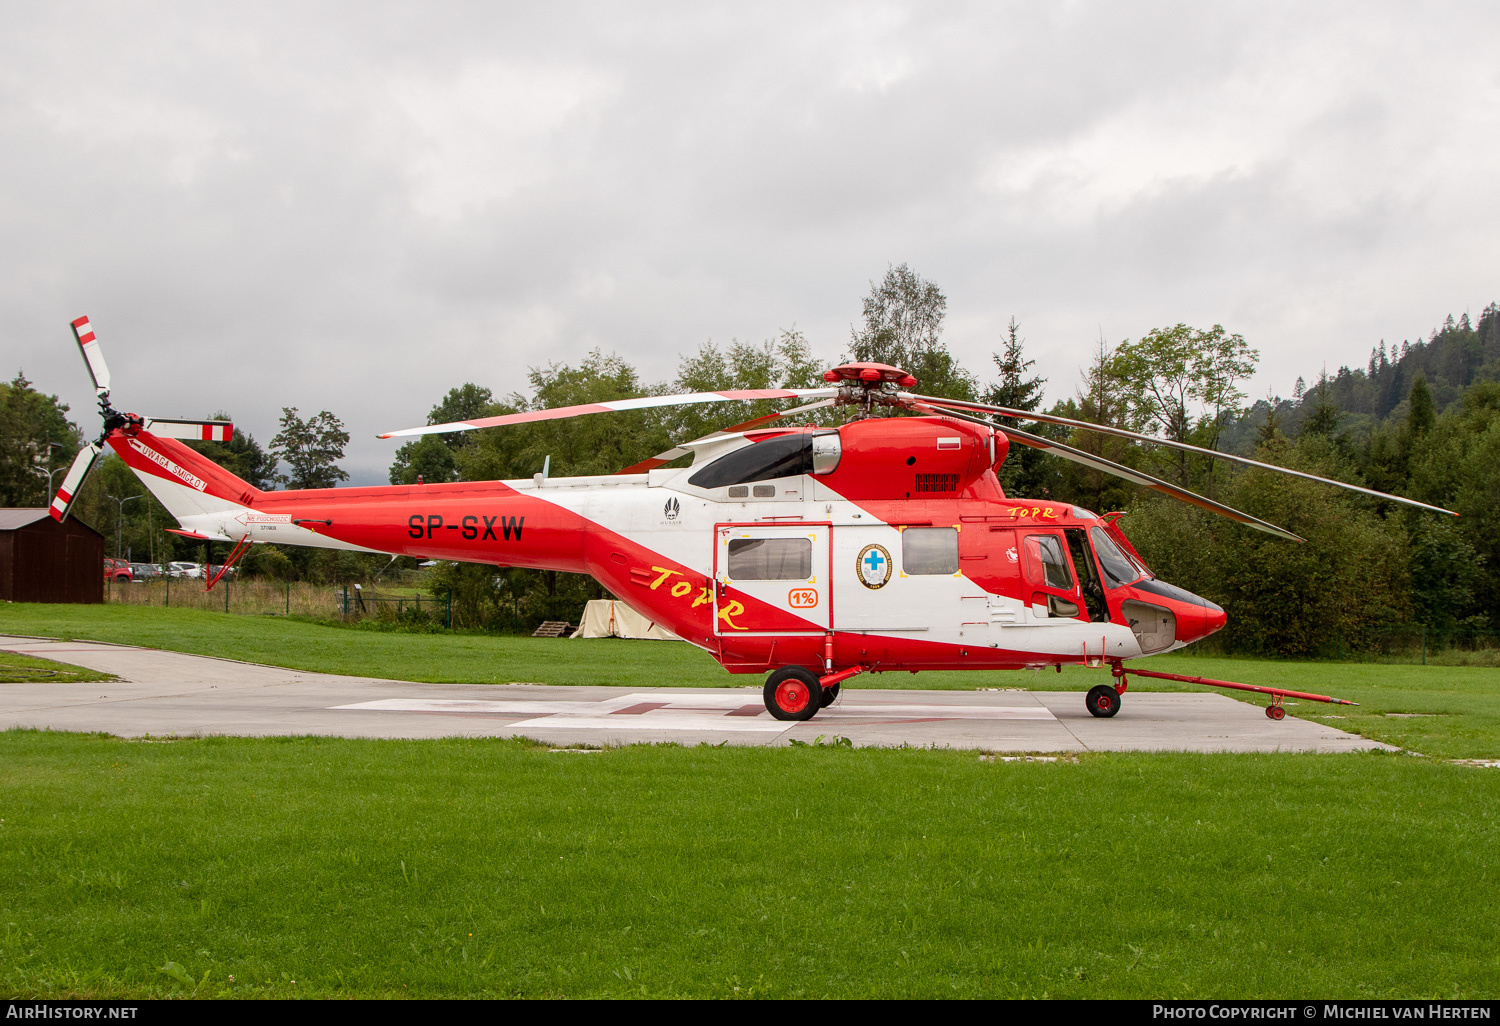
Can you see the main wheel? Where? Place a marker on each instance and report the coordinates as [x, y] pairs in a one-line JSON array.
[[793, 693], [1276, 712], [830, 693], [1103, 701]]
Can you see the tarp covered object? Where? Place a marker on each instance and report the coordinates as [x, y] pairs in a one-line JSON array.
[[608, 618]]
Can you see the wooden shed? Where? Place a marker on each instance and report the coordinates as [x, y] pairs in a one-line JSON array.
[[42, 560]]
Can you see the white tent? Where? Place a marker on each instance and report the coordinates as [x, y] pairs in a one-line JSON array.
[[608, 618]]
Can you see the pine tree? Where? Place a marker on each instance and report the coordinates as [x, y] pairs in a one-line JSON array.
[[1422, 414], [1325, 416], [1014, 389]]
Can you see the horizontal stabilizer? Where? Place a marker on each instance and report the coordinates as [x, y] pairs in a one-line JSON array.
[[192, 430]]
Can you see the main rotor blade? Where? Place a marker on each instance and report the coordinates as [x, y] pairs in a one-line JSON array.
[[1156, 484], [192, 430], [662, 458], [643, 403], [73, 480], [93, 356], [1047, 418]]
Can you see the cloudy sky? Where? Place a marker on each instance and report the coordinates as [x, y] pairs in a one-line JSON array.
[[357, 206]]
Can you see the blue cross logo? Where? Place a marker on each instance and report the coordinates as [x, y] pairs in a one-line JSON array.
[[874, 561]]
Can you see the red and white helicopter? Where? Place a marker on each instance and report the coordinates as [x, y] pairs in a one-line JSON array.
[[812, 554]]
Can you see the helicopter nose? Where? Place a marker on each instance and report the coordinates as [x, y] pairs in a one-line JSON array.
[[1198, 619], [1196, 616]]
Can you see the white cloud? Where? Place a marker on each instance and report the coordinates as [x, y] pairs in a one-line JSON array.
[[356, 207]]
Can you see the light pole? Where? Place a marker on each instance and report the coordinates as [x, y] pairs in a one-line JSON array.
[[47, 499], [119, 517]]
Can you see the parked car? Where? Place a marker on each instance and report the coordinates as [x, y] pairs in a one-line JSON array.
[[117, 570], [185, 569], [142, 572]]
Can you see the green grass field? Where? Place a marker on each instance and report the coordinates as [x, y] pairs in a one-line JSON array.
[[319, 867], [22, 669], [1445, 712]]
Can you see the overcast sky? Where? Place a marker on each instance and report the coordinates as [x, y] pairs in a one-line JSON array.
[[358, 206]]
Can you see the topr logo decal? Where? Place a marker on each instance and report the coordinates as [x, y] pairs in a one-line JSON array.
[[671, 509], [873, 566], [191, 479]]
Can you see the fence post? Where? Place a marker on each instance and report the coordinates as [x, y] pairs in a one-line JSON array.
[[1424, 644], [226, 594], [168, 601], [346, 601], [288, 598], [448, 616]]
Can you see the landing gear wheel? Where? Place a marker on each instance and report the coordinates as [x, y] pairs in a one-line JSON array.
[[1103, 700], [830, 693], [1276, 712], [793, 693]]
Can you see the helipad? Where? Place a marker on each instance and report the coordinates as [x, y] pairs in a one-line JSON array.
[[168, 693]]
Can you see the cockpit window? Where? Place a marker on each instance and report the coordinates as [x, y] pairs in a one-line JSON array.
[[782, 456], [1047, 565], [1118, 568]]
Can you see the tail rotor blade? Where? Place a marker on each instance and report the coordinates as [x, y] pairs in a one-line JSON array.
[[73, 480], [192, 430], [93, 356], [643, 403]]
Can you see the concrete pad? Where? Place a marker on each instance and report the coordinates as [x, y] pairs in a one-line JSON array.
[[171, 693]]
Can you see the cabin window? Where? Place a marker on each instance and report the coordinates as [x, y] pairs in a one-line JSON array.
[[782, 456], [1118, 568], [1046, 563], [929, 550], [770, 559]]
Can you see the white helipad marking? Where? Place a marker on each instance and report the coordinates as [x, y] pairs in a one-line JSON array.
[[674, 711]]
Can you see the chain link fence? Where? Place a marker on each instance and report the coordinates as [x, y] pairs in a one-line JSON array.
[[287, 598], [1419, 643]]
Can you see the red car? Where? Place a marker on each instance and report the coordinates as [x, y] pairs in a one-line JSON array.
[[117, 570]]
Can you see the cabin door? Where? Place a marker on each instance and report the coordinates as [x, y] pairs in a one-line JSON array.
[[771, 578]]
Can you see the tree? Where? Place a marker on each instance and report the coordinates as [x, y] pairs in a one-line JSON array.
[[597, 444], [1026, 471], [1324, 419], [1422, 413], [311, 449], [1184, 382], [35, 438], [1104, 400], [782, 362], [431, 457], [1014, 389], [903, 326]]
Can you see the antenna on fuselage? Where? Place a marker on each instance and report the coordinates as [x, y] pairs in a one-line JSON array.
[[541, 478]]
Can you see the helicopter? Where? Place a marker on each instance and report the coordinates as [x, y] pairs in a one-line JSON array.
[[809, 554]]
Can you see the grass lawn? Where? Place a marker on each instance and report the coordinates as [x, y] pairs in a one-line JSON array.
[[1441, 711], [321, 867], [21, 669]]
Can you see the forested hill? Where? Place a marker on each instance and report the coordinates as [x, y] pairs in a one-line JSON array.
[[1453, 357]]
